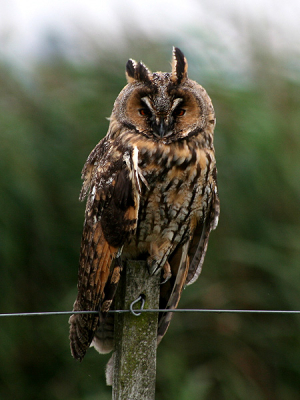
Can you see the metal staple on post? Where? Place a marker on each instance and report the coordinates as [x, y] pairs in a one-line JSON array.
[[139, 312]]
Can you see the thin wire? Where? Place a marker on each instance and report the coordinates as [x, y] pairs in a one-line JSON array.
[[182, 310]]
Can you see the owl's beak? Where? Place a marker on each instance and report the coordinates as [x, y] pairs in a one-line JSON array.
[[160, 128]]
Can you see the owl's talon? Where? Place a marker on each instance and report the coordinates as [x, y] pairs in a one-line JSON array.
[[166, 278], [167, 273], [153, 268]]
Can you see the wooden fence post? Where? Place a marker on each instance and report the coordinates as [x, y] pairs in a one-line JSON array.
[[134, 370]]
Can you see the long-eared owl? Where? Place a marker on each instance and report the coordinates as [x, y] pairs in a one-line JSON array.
[[151, 187]]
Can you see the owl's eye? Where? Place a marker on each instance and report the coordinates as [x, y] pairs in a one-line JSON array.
[[179, 112], [144, 112]]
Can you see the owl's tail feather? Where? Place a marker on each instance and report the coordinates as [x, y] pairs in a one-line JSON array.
[[79, 334], [96, 270]]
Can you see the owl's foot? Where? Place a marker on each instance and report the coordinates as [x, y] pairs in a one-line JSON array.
[[153, 269]]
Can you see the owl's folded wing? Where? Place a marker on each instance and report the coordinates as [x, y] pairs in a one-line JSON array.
[[198, 246], [111, 217]]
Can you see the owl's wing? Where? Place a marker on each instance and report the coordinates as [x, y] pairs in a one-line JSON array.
[[183, 271], [112, 180], [198, 246]]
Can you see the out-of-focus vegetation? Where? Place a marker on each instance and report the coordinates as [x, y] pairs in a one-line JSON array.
[[49, 124]]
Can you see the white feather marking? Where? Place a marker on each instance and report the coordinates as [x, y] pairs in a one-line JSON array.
[[135, 159], [137, 172], [126, 158], [93, 192]]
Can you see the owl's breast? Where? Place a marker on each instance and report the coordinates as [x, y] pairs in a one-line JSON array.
[[176, 199]]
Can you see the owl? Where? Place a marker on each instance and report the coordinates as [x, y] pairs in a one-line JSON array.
[[151, 188]]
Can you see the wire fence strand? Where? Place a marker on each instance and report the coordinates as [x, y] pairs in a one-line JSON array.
[[177, 310]]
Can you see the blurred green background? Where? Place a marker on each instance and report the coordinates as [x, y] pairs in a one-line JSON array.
[[51, 118]]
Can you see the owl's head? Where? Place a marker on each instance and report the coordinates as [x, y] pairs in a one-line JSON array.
[[164, 106]]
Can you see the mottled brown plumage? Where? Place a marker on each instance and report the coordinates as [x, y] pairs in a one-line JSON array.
[[151, 194]]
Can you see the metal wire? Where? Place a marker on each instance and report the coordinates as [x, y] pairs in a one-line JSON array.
[[179, 310]]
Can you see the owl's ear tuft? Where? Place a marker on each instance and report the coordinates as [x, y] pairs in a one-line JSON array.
[[137, 72], [179, 66], [142, 72], [130, 68]]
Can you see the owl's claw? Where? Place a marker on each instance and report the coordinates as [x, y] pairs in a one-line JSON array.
[[167, 273], [152, 267], [165, 279]]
